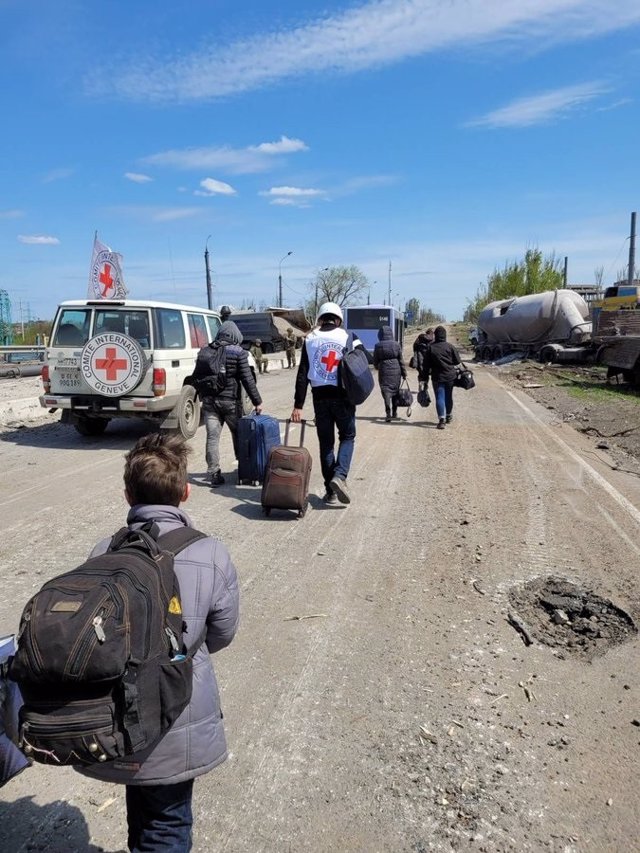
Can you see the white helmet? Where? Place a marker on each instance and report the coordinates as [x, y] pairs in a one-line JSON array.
[[330, 308]]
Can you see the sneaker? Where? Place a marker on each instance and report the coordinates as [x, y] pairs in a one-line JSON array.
[[217, 479], [339, 488], [388, 419], [441, 424], [330, 498], [449, 418]]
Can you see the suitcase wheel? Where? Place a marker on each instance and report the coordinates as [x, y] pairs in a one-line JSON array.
[[266, 510], [302, 511]]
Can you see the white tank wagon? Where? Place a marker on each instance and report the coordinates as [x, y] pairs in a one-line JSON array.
[[553, 325]]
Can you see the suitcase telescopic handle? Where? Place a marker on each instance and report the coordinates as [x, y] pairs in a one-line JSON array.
[[302, 429]]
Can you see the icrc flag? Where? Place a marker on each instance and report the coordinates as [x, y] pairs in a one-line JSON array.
[[105, 278]]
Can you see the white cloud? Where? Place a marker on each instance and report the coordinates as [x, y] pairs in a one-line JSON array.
[[11, 214], [289, 202], [212, 187], [137, 178], [366, 182], [369, 35], [292, 191], [283, 146], [542, 108], [38, 240], [57, 175], [239, 161], [293, 196]]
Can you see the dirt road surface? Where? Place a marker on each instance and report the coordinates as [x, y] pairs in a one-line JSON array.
[[377, 697]]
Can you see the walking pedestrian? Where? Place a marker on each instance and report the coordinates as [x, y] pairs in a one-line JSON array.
[[220, 378], [387, 358], [319, 362], [159, 783], [440, 362], [420, 347]]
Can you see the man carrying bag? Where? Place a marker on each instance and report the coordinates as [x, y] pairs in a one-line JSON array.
[[322, 354]]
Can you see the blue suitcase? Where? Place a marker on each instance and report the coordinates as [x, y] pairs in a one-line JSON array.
[[257, 434]]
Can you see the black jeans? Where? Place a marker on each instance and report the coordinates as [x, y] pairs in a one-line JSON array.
[[159, 818], [329, 415]]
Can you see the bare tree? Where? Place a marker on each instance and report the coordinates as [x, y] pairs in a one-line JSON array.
[[344, 285], [598, 275]]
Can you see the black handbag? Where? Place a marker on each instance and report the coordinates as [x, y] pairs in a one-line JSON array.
[[403, 398], [424, 399], [354, 373], [464, 378]]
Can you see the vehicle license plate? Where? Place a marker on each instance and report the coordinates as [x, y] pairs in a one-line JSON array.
[[69, 378]]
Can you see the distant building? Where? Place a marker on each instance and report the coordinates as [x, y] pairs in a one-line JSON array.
[[590, 292]]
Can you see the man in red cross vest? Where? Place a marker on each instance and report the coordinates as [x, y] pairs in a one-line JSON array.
[[319, 361]]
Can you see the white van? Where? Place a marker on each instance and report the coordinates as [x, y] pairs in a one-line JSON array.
[[125, 359]]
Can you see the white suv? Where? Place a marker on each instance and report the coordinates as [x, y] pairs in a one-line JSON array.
[[125, 359]]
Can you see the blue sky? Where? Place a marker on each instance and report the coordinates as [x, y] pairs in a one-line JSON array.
[[443, 136]]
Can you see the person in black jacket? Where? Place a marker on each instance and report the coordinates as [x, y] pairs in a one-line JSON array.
[[224, 406], [440, 362], [421, 346], [387, 358]]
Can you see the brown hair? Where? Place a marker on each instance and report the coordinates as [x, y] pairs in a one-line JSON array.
[[155, 470]]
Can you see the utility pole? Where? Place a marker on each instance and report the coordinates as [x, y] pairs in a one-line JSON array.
[[21, 319], [280, 278], [389, 299], [566, 271], [632, 250], [208, 273]]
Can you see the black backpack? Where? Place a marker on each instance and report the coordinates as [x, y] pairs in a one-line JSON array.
[[103, 662], [214, 357]]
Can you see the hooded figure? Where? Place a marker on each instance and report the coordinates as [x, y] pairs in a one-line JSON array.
[[440, 363], [387, 358], [224, 406], [229, 333]]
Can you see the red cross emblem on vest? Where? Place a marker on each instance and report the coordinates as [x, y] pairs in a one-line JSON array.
[[111, 365], [330, 360]]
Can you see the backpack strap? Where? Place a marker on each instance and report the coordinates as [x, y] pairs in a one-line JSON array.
[[349, 344], [179, 539], [175, 541]]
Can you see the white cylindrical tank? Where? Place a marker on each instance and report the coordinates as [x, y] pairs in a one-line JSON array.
[[554, 315]]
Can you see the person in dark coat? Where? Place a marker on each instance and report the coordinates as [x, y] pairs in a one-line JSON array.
[[420, 347], [440, 362], [388, 360], [225, 407], [159, 782]]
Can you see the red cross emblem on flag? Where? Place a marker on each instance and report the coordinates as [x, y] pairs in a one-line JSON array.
[[111, 365], [330, 360], [106, 280]]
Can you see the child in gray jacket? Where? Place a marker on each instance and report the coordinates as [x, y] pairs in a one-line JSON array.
[[159, 783]]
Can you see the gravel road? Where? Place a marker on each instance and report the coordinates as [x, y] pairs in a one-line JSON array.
[[377, 697]]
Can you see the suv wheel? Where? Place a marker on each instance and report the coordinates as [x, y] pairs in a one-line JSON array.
[[188, 412]]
